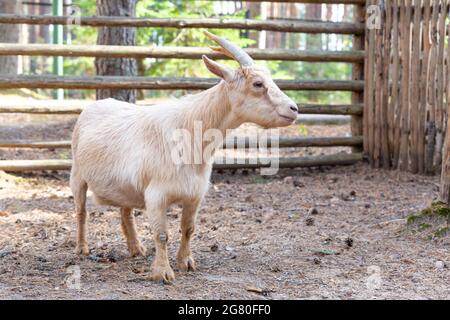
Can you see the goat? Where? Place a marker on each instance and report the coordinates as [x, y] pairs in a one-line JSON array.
[[121, 152]]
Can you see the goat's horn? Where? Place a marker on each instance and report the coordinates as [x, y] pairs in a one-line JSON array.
[[231, 50], [222, 51]]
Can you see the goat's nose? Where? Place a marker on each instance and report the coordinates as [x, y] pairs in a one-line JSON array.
[[293, 107]]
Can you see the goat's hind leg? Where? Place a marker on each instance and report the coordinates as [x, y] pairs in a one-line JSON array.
[[129, 230], [185, 260], [79, 189]]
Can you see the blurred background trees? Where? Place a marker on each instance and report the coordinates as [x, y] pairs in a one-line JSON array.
[[195, 38], [9, 33], [116, 36]]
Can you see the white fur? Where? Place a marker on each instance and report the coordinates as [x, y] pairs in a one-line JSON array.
[[122, 153]]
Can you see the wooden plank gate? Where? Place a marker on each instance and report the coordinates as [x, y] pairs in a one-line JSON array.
[[406, 85]]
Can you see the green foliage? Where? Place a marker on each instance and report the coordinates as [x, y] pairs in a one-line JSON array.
[[181, 37], [293, 70], [437, 208], [302, 130], [194, 37], [84, 35], [432, 221], [82, 66]]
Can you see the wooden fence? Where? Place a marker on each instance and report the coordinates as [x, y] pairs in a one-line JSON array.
[[355, 85], [406, 85]]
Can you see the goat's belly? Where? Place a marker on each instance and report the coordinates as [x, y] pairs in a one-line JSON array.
[[186, 186], [189, 186], [120, 197]]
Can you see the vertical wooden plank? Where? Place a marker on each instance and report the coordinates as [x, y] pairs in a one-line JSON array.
[[404, 121], [358, 73], [369, 91], [431, 92], [444, 194], [440, 86], [395, 103], [447, 76], [378, 92], [446, 72], [423, 87], [414, 98], [385, 152], [366, 121], [448, 69]]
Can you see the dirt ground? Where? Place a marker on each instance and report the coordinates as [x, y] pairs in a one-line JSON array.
[[254, 234], [321, 233]]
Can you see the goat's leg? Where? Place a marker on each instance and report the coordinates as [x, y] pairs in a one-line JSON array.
[[79, 189], [156, 210], [185, 260], [129, 230]]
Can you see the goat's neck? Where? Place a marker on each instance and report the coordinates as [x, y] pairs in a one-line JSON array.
[[211, 109]]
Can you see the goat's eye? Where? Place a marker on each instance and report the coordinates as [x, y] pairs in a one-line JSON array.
[[258, 84]]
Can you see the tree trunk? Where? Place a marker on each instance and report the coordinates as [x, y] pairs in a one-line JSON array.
[[116, 36], [313, 12], [253, 10], [329, 16], [9, 33]]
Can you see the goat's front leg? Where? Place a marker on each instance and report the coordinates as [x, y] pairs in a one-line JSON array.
[[184, 256], [156, 209], [129, 230]]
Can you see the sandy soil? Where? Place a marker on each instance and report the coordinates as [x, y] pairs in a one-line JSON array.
[[254, 234], [323, 233]]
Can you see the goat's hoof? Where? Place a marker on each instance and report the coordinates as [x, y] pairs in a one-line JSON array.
[[186, 263], [162, 273], [138, 250], [82, 248]]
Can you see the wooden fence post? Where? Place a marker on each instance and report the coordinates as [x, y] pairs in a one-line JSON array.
[[445, 171], [444, 195], [358, 73]]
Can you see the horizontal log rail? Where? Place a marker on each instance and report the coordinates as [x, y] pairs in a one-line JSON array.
[[293, 162], [323, 120], [75, 107], [63, 144], [311, 1], [34, 165], [283, 142], [174, 52], [297, 142], [341, 109], [245, 24], [119, 82]]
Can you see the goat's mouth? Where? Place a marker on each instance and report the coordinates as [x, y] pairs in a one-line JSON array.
[[287, 118]]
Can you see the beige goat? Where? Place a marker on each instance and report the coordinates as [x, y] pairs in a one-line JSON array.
[[122, 152]]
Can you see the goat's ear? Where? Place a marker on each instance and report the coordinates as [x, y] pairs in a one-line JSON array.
[[218, 69]]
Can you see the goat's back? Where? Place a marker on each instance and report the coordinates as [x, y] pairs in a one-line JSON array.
[[120, 148]]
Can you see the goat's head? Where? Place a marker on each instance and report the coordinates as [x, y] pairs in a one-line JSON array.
[[253, 95]]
